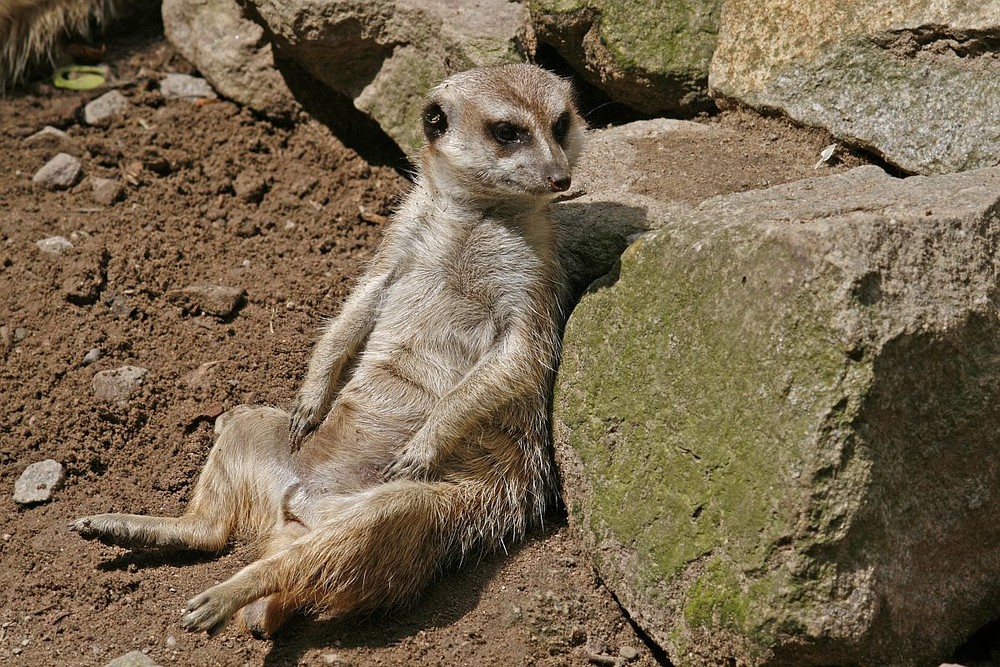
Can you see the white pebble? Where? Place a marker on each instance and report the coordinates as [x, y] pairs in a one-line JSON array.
[[184, 86], [38, 482], [92, 355], [119, 384], [54, 245]]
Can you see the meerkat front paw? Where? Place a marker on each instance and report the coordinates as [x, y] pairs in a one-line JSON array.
[[305, 419], [413, 462]]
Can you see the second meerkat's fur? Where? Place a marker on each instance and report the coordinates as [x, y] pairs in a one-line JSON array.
[[30, 30], [420, 433]]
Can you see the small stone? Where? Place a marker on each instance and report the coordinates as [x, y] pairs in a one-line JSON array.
[[54, 139], [335, 659], [628, 653], [171, 641], [119, 384], [54, 245], [185, 86], [250, 186], [596, 645], [59, 173], [218, 300], [20, 333], [92, 355], [101, 110], [106, 191], [132, 659], [38, 482]]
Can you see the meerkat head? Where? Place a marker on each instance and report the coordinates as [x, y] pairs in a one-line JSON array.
[[502, 132]]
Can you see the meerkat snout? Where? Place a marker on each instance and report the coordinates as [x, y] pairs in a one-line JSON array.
[[559, 182]]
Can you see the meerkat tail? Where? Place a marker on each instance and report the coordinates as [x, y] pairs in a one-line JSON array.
[[30, 30]]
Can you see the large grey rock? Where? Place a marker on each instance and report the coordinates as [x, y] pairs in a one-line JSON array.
[[916, 81], [385, 56], [604, 208], [230, 51], [777, 422], [652, 56]]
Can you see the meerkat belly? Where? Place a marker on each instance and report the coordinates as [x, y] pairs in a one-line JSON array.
[[426, 341]]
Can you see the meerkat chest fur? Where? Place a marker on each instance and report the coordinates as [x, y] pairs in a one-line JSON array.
[[467, 276]]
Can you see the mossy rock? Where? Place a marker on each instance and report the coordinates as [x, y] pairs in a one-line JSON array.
[[776, 422], [653, 57]]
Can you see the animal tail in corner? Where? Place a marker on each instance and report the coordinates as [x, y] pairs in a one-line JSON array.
[[30, 30]]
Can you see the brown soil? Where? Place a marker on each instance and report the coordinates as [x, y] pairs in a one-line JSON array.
[[213, 194]]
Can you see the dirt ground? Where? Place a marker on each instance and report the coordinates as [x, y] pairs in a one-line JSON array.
[[213, 194]]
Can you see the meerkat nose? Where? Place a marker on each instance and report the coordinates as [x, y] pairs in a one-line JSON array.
[[559, 182]]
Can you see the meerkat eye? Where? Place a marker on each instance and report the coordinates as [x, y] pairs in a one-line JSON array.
[[508, 133], [560, 129], [435, 121]]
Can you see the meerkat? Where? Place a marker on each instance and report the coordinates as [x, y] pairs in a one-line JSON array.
[[421, 432]]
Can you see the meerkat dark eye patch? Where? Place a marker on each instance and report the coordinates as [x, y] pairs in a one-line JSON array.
[[560, 129], [435, 121], [508, 133]]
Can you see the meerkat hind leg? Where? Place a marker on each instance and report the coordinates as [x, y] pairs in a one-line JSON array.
[[239, 489]]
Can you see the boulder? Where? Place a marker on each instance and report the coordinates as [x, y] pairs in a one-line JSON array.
[[917, 81], [230, 51], [776, 422], [386, 56], [652, 56]]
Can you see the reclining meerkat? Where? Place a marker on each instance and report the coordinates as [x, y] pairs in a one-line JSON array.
[[421, 431]]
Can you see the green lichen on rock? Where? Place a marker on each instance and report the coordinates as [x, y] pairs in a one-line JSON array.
[[712, 400], [652, 56], [769, 420], [729, 385], [717, 599]]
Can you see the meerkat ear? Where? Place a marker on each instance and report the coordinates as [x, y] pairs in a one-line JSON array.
[[435, 121]]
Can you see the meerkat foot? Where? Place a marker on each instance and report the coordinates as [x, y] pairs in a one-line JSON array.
[[411, 463], [110, 529]]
